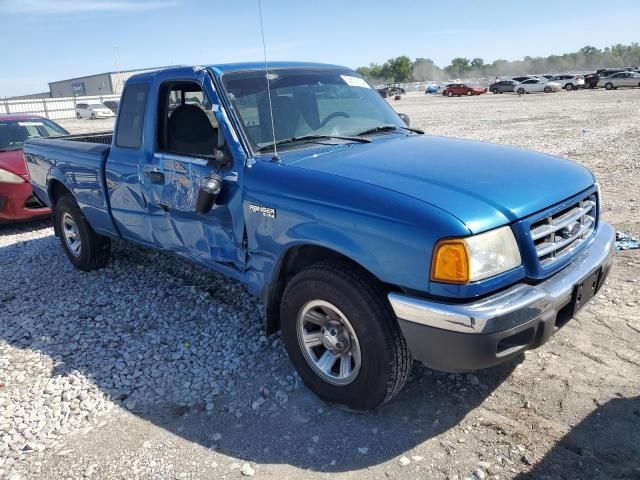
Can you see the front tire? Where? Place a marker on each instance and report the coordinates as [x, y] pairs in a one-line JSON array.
[[342, 336], [85, 248], [495, 91], [78, 116], [547, 89], [469, 93], [609, 86], [449, 94]]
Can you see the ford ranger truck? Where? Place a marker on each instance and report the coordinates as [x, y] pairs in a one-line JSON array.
[[370, 243]]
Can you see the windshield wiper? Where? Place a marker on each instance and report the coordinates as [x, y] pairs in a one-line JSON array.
[[304, 138], [389, 128]]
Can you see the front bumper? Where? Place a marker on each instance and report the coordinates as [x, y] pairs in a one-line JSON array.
[[17, 203], [489, 331]]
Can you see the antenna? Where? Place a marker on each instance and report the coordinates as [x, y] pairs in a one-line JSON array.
[[266, 76]]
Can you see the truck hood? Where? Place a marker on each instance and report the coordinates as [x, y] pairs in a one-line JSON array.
[[482, 184], [13, 161]]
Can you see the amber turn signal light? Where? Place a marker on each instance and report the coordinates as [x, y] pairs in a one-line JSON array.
[[450, 262]]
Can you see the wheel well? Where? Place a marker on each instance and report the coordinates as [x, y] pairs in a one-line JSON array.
[[296, 259], [56, 191]]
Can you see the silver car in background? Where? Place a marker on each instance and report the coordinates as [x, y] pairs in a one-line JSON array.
[[620, 79], [93, 111], [534, 85], [568, 81]]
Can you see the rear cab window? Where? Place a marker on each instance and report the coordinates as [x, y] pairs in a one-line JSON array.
[[131, 117]]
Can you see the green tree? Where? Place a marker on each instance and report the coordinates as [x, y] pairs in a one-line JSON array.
[[397, 69], [477, 63], [425, 69]]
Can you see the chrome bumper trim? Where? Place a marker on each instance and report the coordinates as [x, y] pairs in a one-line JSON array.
[[514, 306]]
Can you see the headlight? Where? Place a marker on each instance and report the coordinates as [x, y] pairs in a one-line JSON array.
[[8, 177], [463, 260]]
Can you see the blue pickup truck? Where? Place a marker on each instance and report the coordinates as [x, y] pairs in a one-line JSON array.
[[370, 243]]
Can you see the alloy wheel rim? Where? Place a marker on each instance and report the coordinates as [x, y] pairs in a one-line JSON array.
[[328, 342], [71, 234]]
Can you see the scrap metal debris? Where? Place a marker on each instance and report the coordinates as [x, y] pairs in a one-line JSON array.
[[624, 241]]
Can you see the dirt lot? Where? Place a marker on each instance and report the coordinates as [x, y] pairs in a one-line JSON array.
[[152, 368]]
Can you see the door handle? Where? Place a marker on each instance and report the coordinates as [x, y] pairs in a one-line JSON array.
[[155, 177]]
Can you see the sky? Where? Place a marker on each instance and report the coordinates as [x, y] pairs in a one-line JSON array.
[[48, 40]]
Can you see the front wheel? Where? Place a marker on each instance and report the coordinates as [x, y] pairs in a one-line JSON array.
[[495, 91], [547, 89], [342, 336], [450, 94], [78, 116], [85, 248], [469, 93], [609, 86]]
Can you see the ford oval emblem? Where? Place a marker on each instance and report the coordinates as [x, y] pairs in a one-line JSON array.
[[570, 230]]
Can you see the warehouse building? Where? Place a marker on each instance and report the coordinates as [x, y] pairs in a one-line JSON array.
[[100, 84]]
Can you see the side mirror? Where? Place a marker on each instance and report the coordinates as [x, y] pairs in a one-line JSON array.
[[405, 118], [220, 155], [210, 188]]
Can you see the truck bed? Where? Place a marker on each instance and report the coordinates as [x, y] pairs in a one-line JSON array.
[[78, 163]]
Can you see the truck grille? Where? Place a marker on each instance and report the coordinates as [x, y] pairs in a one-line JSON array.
[[561, 233]]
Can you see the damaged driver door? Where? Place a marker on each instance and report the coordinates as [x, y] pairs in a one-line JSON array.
[[191, 182]]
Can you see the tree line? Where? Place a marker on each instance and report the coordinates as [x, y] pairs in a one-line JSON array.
[[401, 69]]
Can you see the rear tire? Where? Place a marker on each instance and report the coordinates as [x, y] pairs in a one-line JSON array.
[[449, 94], [547, 89], [381, 359], [568, 87], [520, 91], [469, 93], [609, 86], [495, 91], [85, 248]]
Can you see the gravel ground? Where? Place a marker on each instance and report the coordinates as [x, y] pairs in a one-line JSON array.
[[154, 368]]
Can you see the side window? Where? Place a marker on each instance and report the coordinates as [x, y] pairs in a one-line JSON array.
[[131, 117], [186, 123]]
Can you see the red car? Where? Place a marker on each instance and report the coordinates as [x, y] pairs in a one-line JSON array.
[[16, 197], [459, 89]]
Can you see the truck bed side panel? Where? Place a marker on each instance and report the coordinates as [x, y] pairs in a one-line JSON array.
[[79, 166]]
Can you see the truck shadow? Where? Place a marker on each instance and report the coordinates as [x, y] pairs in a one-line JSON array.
[[82, 331], [606, 444]]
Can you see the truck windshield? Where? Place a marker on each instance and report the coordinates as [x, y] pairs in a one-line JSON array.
[[13, 133], [306, 103]]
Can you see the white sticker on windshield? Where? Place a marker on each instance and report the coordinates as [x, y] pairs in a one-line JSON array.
[[31, 124], [354, 81]]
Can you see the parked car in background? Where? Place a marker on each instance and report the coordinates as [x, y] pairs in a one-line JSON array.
[[433, 88], [534, 85], [591, 80], [17, 201], [443, 86], [620, 79], [112, 105], [93, 111], [459, 89], [569, 81], [502, 86], [390, 90]]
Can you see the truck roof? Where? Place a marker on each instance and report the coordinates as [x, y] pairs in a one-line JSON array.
[[221, 68]]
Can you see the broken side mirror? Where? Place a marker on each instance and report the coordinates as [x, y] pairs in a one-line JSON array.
[[210, 188], [405, 118]]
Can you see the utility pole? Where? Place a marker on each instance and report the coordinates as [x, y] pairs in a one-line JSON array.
[[115, 55]]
